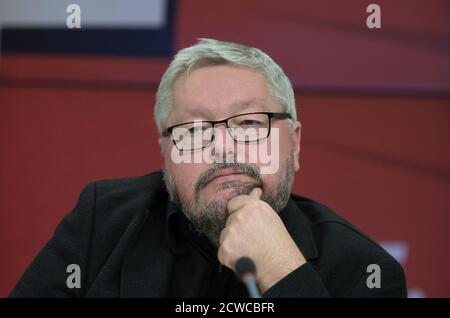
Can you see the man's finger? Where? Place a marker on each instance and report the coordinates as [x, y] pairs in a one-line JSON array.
[[238, 202], [256, 193]]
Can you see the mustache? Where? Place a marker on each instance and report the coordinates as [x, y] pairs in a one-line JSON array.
[[247, 169]]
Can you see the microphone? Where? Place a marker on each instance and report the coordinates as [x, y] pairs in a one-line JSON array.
[[246, 272]]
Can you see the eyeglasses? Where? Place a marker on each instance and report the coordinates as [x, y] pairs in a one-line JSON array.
[[242, 128]]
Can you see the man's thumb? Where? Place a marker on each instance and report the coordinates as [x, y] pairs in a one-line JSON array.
[[256, 193]]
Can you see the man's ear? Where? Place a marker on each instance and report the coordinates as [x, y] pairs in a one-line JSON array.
[[296, 134]]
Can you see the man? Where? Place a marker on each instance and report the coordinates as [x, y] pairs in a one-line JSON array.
[[179, 233]]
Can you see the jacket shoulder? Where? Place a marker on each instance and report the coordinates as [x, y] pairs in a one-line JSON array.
[[345, 248], [335, 230], [130, 191], [129, 186]]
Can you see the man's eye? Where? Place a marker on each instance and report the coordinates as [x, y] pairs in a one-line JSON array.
[[194, 130], [249, 122]]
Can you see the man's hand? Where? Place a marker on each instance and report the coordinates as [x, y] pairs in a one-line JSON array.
[[255, 230]]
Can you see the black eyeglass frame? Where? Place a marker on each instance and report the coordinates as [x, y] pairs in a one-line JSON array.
[[168, 131]]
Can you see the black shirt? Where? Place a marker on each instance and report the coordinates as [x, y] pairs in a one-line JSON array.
[[196, 270]]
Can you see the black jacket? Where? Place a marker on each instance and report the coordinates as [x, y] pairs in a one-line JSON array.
[[116, 235]]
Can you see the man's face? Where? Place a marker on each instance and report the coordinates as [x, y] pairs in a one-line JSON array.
[[215, 93]]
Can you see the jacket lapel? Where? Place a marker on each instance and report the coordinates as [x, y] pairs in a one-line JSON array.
[[299, 227], [145, 269]]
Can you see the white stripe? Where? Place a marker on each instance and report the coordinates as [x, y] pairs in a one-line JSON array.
[[398, 249]]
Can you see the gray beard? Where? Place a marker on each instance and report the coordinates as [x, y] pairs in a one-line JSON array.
[[209, 218]]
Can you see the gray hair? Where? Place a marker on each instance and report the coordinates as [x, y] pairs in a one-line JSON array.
[[209, 52]]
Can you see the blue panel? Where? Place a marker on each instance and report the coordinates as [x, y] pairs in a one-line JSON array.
[[135, 42]]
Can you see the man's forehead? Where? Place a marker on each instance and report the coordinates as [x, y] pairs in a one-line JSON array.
[[215, 112]]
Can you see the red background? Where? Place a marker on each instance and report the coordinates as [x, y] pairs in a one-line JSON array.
[[374, 106]]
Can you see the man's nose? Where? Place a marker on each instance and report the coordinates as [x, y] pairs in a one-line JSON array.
[[223, 145]]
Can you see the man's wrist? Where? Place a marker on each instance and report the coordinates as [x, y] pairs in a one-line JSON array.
[[276, 273]]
